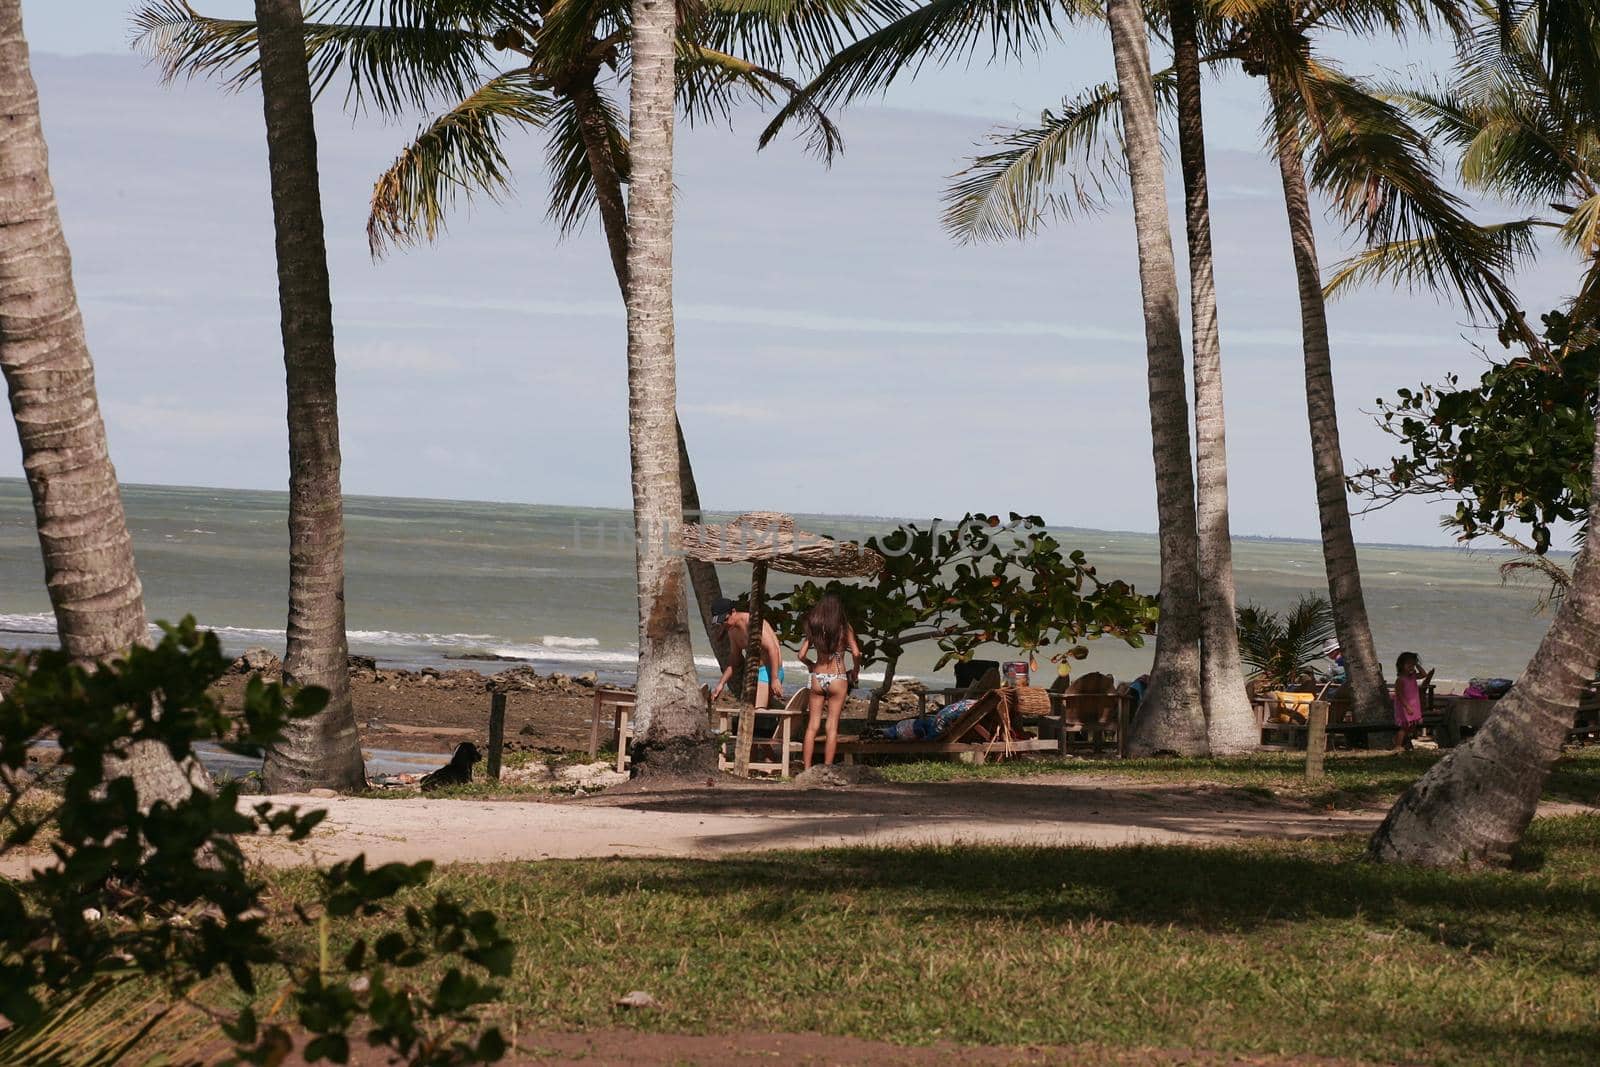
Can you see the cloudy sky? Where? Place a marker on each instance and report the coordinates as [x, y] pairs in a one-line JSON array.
[[837, 352]]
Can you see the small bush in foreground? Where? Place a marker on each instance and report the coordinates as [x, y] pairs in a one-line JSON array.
[[164, 896]]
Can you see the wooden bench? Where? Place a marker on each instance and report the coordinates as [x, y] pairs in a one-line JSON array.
[[616, 705], [787, 744]]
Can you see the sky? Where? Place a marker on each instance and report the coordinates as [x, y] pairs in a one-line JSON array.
[[837, 352]]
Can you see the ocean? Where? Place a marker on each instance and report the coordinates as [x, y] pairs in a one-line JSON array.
[[430, 582]]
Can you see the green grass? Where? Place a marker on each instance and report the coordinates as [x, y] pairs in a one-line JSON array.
[[1287, 948], [1351, 777]]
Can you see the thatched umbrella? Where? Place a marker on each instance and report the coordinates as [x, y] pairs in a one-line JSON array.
[[768, 540]]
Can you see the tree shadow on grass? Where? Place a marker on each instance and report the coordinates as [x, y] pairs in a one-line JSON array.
[[1215, 889]]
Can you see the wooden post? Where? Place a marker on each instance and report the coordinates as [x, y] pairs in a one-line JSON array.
[[497, 732], [1316, 738], [745, 741], [1123, 701]]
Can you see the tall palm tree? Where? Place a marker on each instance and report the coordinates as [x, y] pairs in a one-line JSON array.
[[1010, 192], [83, 533], [672, 733], [1308, 98], [1361, 152], [1364, 673], [325, 750], [1230, 720], [501, 65], [1172, 716]]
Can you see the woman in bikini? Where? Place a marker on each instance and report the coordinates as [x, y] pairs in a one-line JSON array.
[[828, 637]]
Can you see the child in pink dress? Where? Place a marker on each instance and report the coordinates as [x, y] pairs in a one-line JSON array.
[[1408, 698]]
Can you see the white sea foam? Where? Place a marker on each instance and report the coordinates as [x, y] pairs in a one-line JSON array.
[[42, 623], [559, 641]]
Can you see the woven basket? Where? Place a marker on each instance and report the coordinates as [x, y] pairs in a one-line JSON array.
[[1027, 700]]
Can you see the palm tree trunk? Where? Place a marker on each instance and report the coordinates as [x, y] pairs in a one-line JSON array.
[[1171, 717], [1230, 722], [1474, 805], [77, 505], [614, 220], [671, 719], [323, 751], [1369, 701]]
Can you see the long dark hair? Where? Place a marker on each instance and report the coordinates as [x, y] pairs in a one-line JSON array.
[[826, 626], [1406, 659]]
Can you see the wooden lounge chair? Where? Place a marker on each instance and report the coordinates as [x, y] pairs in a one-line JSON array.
[[988, 726]]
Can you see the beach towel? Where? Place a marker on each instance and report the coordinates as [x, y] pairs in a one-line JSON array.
[[926, 727]]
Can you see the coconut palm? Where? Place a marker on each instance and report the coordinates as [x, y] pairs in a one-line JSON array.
[[1230, 720], [1519, 137], [1172, 715], [1327, 131], [1280, 649], [83, 533], [1523, 113], [998, 196], [503, 65], [671, 731], [325, 750]]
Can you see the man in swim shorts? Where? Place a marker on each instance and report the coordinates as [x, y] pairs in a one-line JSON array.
[[733, 626]]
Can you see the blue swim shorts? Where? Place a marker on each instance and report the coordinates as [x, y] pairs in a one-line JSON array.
[[765, 678]]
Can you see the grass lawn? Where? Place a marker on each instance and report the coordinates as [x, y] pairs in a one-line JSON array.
[[1352, 777], [1284, 948]]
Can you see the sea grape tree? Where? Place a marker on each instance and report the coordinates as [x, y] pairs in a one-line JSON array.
[[974, 582], [1513, 450]]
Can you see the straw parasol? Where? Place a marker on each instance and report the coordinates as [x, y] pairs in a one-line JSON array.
[[769, 540]]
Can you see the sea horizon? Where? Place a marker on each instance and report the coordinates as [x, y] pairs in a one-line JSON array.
[[435, 582]]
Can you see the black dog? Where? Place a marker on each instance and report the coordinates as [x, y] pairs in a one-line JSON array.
[[457, 772]]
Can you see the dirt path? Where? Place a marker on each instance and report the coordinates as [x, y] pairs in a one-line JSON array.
[[1057, 810]]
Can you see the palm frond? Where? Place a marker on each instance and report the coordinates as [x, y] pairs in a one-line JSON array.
[[1281, 648], [938, 32], [1581, 229], [459, 153], [1422, 262], [1067, 165], [572, 188], [419, 52], [1377, 169], [710, 82], [773, 33]]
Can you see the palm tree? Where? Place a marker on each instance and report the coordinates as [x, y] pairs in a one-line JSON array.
[[1361, 152], [1306, 99], [83, 533], [325, 750], [1519, 138], [508, 64], [1279, 650], [1172, 715], [1230, 720], [673, 740]]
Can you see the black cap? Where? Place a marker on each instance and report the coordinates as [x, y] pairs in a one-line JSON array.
[[721, 608]]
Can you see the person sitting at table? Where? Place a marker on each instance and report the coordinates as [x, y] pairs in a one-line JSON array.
[[733, 627]]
